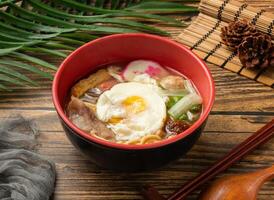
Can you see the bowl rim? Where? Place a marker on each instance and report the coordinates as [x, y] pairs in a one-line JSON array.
[[110, 144]]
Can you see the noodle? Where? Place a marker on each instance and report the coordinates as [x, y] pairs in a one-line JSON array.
[[91, 106], [135, 141], [150, 139]]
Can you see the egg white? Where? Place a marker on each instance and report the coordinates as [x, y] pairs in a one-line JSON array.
[[132, 125]]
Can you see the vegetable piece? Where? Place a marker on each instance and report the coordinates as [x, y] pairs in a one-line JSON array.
[[176, 98], [183, 117], [172, 101], [188, 85], [190, 116], [179, 93], [196, 108], [115, 72], [172, 82], [184, 105], [94, 79], [151, 68], [175, 127]]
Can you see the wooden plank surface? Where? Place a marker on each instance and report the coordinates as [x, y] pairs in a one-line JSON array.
[[242, 106]]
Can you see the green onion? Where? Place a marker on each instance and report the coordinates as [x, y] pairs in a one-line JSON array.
[[192, 117], [179, 93], [172, 101], [195, 108], [184, 105], [189, 86], [183, 117]]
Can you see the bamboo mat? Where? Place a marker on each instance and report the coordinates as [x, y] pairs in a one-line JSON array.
[[203, 35]]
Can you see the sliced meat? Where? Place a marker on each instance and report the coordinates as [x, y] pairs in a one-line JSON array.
[[85, 119], [79, 114]]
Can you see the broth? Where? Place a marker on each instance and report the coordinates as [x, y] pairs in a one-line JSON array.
[[139, 102]]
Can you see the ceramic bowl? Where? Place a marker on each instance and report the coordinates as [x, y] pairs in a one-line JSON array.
[[122, 48]]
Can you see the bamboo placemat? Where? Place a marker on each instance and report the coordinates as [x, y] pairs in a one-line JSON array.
[[203, 35]]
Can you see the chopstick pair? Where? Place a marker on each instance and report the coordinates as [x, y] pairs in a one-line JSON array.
[[248, 145]]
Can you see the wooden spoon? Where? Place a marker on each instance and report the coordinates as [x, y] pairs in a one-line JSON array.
[[240, 187]]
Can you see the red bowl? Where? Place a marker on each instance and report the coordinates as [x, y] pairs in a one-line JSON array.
[[126, 47]]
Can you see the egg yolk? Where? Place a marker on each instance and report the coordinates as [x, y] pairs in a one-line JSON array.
[[115, 120], [134, 104]]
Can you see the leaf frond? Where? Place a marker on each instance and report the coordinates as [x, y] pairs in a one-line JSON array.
[[54, 28]]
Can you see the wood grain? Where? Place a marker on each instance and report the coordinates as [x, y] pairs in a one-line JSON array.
[[242, 106]]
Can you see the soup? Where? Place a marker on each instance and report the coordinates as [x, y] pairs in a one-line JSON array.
[[139, 102]]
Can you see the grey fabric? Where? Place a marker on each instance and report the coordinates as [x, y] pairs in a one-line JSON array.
[[24, 174]]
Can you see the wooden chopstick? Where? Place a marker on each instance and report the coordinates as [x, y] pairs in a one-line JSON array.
[[258, 138]]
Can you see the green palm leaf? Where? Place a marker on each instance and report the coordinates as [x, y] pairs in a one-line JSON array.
[[17, 32], [12, 72], [57, 22], [4, 88], [54, 28], [162, 7], [32, 59], [92, 19], [32, 26], [115, 13], [8, 79], [27, 67], [46, 51], [5, 51]]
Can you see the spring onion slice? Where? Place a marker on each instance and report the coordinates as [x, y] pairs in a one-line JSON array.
[[190, 116], [188, 85], [184, 104], [179, 93]]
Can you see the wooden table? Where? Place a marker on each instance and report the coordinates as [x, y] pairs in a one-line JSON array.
[[242, 106]]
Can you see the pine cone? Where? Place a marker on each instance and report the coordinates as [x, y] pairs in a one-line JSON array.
[[233, 34], [257, 51]]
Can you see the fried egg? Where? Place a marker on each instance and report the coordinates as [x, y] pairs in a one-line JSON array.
[[131, 110]]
